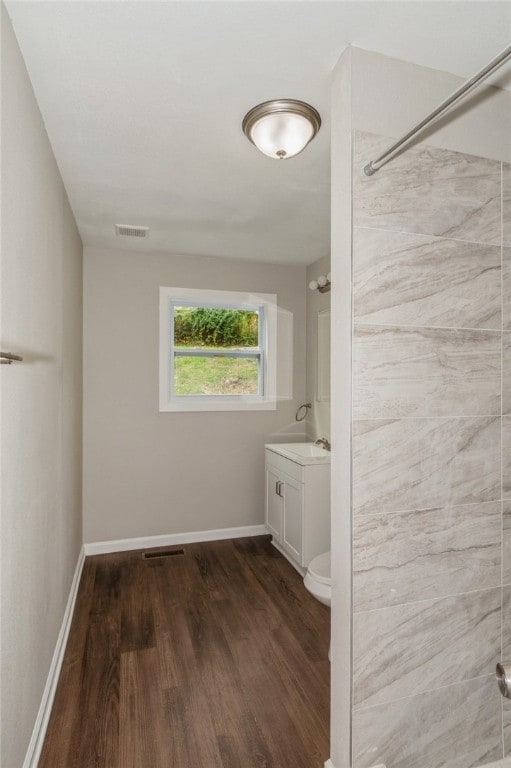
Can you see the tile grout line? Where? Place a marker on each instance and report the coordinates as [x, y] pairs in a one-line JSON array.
[[413, 510], [428, 690], [465, 328], [502, 437], [430, 418], [502, 376], [484, 243], [428, 600]]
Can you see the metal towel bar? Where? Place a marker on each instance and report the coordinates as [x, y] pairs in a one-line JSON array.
[[6, 358]]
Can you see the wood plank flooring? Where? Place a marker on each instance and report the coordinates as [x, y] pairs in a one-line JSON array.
[[212, 659]]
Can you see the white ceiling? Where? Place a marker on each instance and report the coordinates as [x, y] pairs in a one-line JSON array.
[[143, 103]]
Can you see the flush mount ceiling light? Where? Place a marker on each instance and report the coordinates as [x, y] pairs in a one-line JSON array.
[[281, 128]]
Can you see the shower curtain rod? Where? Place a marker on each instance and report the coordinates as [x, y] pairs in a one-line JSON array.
[[497, 62]]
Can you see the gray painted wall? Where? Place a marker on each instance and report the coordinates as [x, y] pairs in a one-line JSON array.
[[149, 473], [40, 437]]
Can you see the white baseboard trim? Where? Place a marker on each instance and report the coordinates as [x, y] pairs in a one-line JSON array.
[[301, 571], [41, 724], [170, 539]]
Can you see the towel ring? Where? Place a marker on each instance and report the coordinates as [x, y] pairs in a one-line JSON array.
[[300, 408]]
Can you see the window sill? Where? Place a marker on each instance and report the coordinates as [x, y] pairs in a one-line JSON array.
[[205, 405]]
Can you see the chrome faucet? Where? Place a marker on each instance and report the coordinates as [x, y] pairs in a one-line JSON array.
[[324, 442]]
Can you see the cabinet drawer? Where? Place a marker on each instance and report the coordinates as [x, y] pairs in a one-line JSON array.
[[281, 464]]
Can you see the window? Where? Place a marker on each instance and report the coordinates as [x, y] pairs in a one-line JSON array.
[[217, 350]]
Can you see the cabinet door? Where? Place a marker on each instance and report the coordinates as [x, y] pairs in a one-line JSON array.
[[274, 503], [293, 518]]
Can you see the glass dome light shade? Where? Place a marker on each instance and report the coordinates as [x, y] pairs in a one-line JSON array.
[[322, 281], [282, 136], [313, 285], [281, 129]]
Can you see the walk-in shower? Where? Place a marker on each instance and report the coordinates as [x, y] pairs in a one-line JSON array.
[[426, 247]]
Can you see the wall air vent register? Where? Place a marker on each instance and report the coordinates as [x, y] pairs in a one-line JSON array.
[[128, 230]]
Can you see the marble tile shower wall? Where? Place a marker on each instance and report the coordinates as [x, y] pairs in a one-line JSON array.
[[431, 457]]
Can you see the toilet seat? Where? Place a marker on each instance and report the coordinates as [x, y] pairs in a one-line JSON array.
[[320, 569]]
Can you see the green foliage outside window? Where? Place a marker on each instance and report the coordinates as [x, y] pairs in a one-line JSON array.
[[209, 327]]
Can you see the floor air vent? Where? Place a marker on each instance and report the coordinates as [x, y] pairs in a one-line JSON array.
[[162, 553]]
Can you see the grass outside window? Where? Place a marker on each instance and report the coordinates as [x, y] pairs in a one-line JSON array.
[[216, 375]]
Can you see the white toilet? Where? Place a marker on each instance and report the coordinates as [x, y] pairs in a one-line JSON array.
[[318, 579]]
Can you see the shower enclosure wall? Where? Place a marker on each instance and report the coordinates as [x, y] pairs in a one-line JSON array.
[[423, 249]]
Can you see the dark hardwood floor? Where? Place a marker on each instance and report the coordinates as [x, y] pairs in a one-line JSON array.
[[212, 659]]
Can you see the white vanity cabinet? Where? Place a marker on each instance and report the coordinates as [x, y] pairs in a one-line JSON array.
[[297, 508]]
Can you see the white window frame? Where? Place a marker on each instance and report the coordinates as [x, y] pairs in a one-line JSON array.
[[266, 304]]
